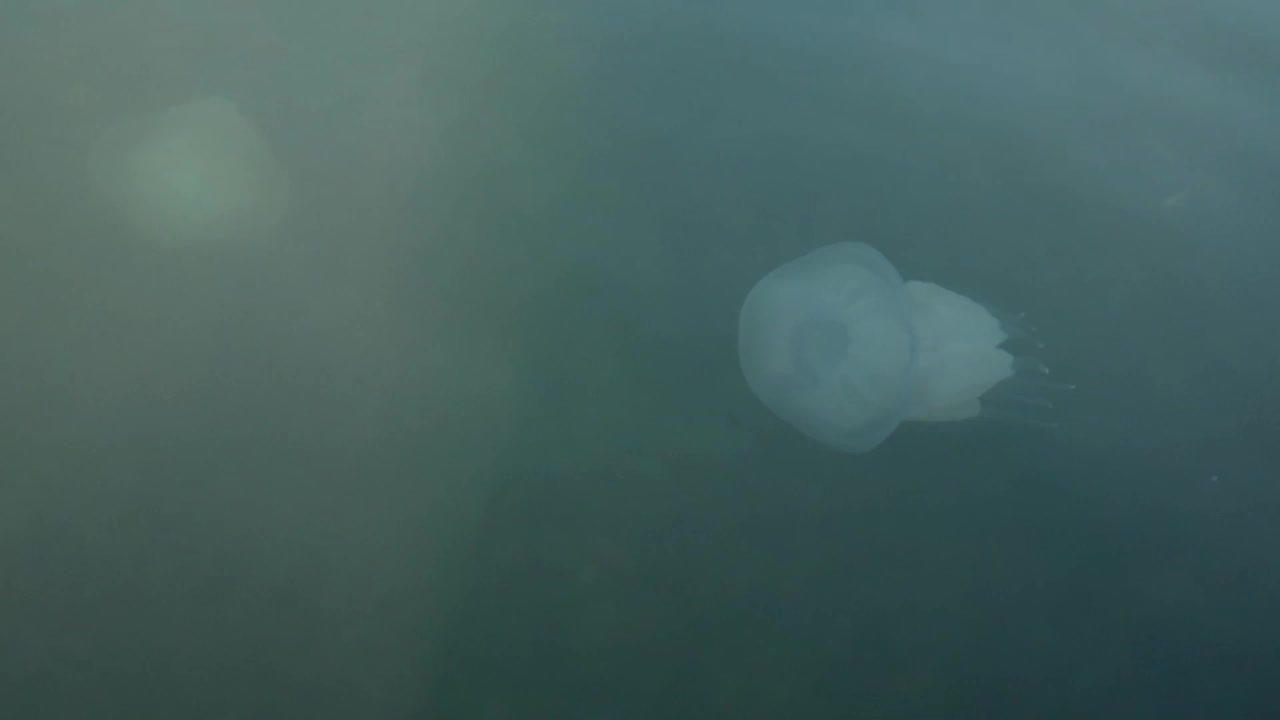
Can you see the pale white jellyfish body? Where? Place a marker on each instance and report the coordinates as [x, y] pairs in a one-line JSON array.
[[836, 344], [194, 174]]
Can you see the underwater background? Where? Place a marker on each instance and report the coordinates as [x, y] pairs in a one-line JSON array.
[[468, 437]]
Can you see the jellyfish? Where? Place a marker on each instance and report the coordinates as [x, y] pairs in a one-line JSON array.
[[839, 346], [199, 173]]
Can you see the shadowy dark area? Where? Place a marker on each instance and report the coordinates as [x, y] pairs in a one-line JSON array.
[[896, 589]]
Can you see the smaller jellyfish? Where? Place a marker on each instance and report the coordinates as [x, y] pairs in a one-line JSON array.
[[195, 174]]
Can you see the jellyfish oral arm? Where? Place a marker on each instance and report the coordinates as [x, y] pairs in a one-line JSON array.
[[958, 354]]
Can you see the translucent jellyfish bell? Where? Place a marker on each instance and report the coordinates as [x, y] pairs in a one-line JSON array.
[[195, 174], [836, 344]]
